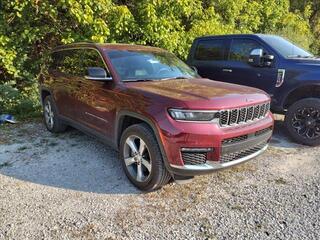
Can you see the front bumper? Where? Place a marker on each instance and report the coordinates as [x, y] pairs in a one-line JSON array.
[[211, 166], [210, 136]]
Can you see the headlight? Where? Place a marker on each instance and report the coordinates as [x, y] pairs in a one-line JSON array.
[[194, 115]]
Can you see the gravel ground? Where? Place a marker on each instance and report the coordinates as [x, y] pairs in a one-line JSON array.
[[70, 186]]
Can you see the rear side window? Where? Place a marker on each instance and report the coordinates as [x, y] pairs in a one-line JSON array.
[[76, 61], [67, 62], [210, 50], [241, 48]]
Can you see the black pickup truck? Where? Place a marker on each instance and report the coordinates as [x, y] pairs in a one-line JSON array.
[[288, 73]]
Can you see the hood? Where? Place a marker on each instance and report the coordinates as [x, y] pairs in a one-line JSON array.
[[202, 93], [312, 62]]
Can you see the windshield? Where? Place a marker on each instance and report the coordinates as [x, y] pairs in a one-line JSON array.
[[137, 65], [286, 48]]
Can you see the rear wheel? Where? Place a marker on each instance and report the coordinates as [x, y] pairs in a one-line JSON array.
[[303, 121], [141, 158], [51, 119]]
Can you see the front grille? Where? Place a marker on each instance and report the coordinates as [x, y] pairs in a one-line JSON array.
[[263, 131], [235, 139], [194, 158], [241, 154], [245, 137], [243, 115]]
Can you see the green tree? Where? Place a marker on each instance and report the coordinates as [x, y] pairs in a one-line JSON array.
[[29, 29]]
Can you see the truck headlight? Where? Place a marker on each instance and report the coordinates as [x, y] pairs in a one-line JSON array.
[[194, 115]]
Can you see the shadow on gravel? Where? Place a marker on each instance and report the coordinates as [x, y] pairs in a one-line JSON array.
[[280, 137], [75, 161], [70, 160]]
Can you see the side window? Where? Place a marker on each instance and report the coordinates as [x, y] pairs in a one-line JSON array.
[[55, 61], [67, 62], [210, 50], [241, 48], [91, 58]]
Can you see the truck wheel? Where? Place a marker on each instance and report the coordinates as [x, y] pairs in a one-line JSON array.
[[303, 121], [51, 119], [141, 158]]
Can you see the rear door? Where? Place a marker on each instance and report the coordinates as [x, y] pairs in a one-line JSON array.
[[63, 71], [209, 57], [239, 71]]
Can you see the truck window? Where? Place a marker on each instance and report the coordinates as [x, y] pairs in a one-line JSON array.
[[241, 49], [210, 50]]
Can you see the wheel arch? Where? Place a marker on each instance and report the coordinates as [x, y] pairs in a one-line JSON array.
[[309, 91], [136, 118], [44, 92]]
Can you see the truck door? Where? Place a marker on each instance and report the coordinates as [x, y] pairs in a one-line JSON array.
[[209, 57], [239, 71]]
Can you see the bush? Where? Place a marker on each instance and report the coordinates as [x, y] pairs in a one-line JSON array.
[[23, 104], [29, 29]]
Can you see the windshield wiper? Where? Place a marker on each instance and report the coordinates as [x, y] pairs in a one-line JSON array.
[[172, 78], [138, 80]]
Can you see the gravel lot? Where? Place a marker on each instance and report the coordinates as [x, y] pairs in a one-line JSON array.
[[70, 186]]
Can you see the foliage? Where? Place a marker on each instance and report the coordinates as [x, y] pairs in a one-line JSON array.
[[30, 28]]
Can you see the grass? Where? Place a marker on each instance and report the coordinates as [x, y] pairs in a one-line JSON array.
[[280, 181]]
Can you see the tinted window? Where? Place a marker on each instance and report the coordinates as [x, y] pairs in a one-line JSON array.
[[91, 58], [284, 47], [241, 49], [210, 50], [67, 61], [132, 65], [76, 61]]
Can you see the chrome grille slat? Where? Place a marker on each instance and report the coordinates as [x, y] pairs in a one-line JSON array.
[[243, 115]]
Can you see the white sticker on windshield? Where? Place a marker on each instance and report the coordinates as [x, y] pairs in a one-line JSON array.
[[153, 61]]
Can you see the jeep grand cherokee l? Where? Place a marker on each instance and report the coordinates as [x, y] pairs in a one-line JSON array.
[[163, 119], [290, 74]]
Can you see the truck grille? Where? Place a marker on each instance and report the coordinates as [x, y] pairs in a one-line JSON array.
[[243, 115], [241, 154], [194, 158]]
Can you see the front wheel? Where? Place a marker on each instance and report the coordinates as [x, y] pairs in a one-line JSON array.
[[141, 158], [303, 121]]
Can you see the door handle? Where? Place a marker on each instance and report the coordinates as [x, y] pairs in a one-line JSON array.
[[227, 70]]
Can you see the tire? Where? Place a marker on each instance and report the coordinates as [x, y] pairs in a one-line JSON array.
[[153, 173], [303, 121], [55, 125]]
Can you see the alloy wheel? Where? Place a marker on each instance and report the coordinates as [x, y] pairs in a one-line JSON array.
[[48, 115], [306, 122], [137, 158]]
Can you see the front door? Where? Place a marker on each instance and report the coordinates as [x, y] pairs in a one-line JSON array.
[[239, 71], [95, 99]]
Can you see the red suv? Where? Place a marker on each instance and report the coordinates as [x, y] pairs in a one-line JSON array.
[[163, 118]]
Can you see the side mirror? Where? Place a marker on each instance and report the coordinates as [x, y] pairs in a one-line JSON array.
[[267, 60], [97, 74], [255, 58]]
